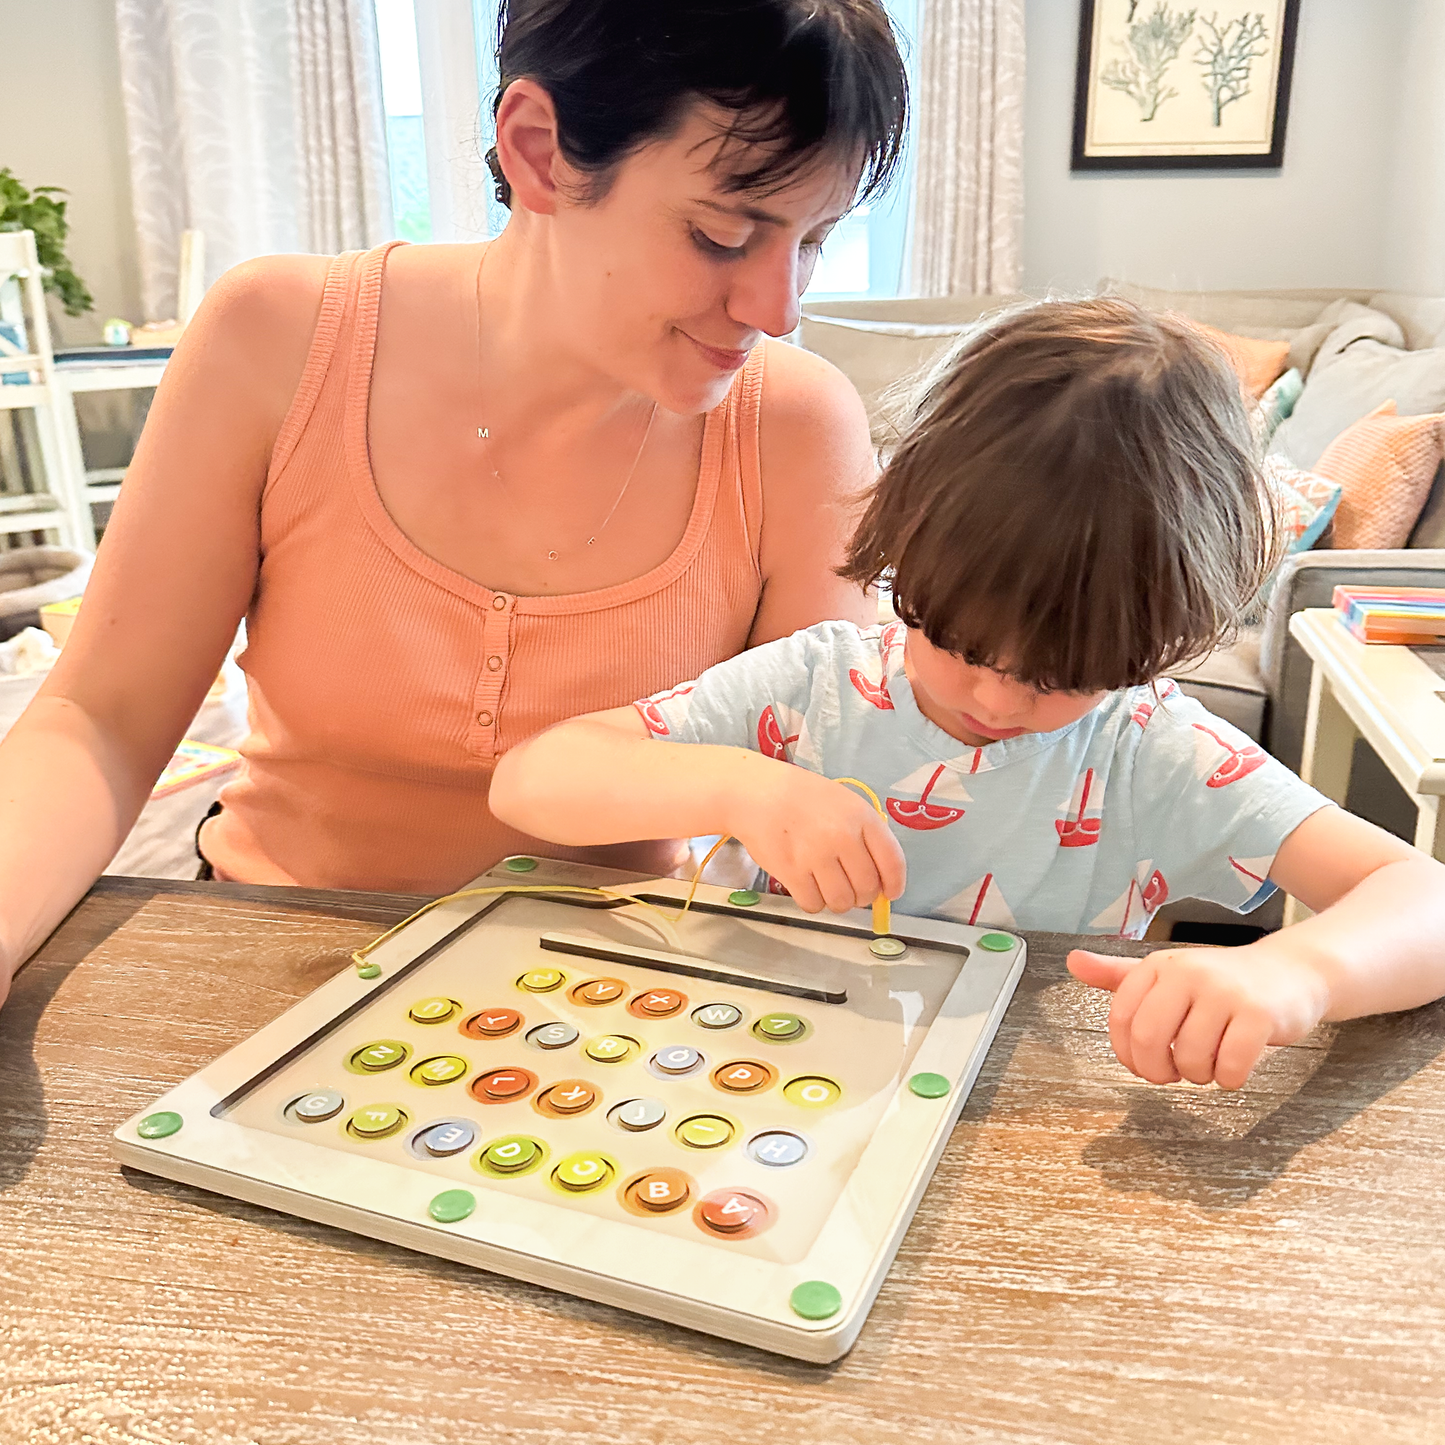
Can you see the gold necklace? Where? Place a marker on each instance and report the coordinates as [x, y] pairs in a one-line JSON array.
[[484, 433]]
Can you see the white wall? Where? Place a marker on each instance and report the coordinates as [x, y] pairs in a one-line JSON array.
[[1360, 200], [1414, 242], [61, 124], [1321, 220]]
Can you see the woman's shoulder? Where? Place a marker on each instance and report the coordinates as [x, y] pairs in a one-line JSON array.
[[270, 304], [254, 329], [807, 401]]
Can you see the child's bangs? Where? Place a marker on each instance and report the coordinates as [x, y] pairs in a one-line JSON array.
[[1054, 595], [1076, 501]]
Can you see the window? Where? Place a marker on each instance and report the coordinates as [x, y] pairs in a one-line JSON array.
[[405, 139], [440, 191], [865, 254], [440, 50]]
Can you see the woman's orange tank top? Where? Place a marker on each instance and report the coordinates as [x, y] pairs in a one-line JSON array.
[[383, 686]]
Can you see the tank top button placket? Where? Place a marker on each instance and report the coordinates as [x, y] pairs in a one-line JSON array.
[[487, 696]]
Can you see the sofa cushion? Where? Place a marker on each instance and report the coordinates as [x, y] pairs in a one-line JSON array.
[[1306, 502], [1228, 683], [1385, 464], [1302, 318], [880, 358], [1422, 318], [883, 347], [1235, 310], [1258, 363], [1429, 529], [1354, 373], [920, 310], [1274, 406]]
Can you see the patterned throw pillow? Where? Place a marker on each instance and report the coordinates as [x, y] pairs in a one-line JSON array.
[[1384, 464], [1305, 502], [1304, 505], [1257, 362], [1275, 405]]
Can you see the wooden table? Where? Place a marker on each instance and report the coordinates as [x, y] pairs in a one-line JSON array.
[[1097, 1260], [1391, 697]]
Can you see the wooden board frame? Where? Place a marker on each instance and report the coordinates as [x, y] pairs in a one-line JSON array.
[[695, 1284]]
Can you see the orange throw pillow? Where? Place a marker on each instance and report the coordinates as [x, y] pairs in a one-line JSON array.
[[1385, 464], [1259, 363]]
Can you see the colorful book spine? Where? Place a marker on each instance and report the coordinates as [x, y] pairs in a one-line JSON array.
[[192, 762], [1409, 616]]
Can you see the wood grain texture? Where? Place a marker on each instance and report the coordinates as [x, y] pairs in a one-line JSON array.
[[1096, 1260]]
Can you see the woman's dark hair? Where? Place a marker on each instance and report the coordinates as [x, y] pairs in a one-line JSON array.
[[804, 79], [1076, 501]]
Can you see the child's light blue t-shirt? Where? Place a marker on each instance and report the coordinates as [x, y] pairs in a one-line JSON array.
[[1089, 829]]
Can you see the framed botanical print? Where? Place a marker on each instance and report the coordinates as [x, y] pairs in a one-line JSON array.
[[1165, 86]]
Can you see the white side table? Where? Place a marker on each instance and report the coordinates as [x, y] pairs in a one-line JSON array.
[[1394, 698]]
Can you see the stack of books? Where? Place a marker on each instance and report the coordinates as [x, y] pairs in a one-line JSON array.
[[1404, 616]]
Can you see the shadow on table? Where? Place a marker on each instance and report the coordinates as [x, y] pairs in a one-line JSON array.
[[23, 1119], [1218, 1150]]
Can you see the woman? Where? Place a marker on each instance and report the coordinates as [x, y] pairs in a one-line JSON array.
[[460, 492]]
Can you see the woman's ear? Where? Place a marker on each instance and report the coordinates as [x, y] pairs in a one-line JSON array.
[[527, 146]]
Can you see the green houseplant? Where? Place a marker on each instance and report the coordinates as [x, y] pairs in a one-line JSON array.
[[41, 212]]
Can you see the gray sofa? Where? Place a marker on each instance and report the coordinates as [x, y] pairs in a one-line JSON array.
[[1354, 349]]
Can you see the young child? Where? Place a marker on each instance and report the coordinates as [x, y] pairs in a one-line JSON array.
[[1075, 511]]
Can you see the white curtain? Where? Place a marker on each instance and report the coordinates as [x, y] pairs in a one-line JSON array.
[[257, 122], [968, 205]]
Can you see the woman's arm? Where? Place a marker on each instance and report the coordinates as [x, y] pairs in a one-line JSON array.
[[1376, 944], [173, 578], [602, 779], [817, 459]]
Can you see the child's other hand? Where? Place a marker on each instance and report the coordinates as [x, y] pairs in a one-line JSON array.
[[1205, 1014], [826, 844]]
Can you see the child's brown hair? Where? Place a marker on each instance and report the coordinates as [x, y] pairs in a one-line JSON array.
[[1076, 501]]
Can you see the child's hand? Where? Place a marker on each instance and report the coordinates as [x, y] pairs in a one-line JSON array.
[[1206, 1014], [826, 844]]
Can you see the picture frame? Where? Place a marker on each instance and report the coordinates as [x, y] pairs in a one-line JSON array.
[[1161, 85]]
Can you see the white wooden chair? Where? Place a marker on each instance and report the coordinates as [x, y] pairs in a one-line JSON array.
[[27, 380], [122, 372]]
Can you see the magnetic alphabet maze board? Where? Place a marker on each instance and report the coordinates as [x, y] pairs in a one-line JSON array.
[[724, 1121]]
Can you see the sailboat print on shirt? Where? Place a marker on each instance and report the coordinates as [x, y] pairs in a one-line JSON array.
[[783, 735], [1252, 872], [973, 761], [1082, 813], [933, 781], [1128, 915], [778, 729], [871, 683], [1236, 763], [871, 690], [980, 903], [652, 712], [1145, 710]]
